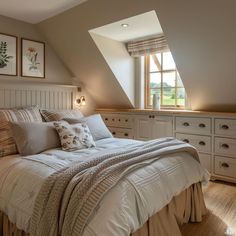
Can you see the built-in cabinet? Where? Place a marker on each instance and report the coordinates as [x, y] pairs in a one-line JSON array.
[[148, 127], [213, 135]]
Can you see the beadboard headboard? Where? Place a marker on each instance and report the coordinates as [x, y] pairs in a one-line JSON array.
[[46, 96]]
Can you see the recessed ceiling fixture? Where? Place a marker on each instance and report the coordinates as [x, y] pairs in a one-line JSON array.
[[125, 25]]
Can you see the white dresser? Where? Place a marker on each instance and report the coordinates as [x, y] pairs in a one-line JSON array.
[[213, 134]]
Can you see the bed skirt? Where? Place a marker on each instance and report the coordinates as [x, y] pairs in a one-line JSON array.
[[188, 206]]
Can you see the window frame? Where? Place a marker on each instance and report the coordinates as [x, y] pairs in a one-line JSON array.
[[147, 89]]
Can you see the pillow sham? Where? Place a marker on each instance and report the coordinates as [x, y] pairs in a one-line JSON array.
[[95, 124], [74, 137], [33, 138], [50, 115], [7, 143]]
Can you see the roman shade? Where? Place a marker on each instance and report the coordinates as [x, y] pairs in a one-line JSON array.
[[148, 46]]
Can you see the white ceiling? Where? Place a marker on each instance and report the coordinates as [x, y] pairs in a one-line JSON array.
[[35, 11], [140, 26]]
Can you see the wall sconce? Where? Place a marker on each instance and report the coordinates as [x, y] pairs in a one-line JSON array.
[[81, 101]]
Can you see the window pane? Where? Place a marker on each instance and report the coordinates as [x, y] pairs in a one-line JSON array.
[[153, 91], [168, 96], [169, 79], [155, 80], [155, 62], [168, 61], [180, 96], [179, 81]]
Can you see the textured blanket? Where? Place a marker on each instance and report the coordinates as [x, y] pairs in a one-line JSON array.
[[70, 196]]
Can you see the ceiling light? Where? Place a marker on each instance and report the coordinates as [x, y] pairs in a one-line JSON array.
[[125, 25]]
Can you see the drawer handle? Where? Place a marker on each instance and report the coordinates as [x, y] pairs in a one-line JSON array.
[[126, 120], [202, 125], [119, 120], [106, 119], [113, 119], [153, 117], [202, 143], [225, 165], [126, 134], [114, 133], [150, 116], [225, 145], [225, 127], [186, 124], [186, 140]]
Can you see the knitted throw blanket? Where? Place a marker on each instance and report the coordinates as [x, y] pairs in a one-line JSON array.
[[69, 197]]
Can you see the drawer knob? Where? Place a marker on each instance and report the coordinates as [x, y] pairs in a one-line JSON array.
[[202, 143], [225, 165], [114, 133], [119, 120], [225, 127], [106, 119], [113, 119], [186, 124], [186, 140], [126, 134], [225, 145], [150, 116], [126, 120], [202, 125]]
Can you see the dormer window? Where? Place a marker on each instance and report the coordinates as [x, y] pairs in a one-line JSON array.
[[162, 77], [160, 72]]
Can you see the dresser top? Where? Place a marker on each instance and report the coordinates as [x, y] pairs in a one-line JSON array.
[[168, 112]]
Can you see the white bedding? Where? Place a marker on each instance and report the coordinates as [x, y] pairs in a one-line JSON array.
[[121, 214]]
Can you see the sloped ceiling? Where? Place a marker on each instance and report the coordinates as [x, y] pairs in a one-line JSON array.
[[201, 36]]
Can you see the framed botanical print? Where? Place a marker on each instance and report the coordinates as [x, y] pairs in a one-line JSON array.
[[32, 58], [8, 54]]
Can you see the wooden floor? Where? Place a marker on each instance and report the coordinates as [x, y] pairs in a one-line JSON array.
[[220, 200]]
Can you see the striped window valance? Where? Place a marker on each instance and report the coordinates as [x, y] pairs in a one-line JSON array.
[[149, 46]]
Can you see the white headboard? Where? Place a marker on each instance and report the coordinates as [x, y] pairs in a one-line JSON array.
[[46, 96]]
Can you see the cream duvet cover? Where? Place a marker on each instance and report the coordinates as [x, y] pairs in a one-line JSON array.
[[127, 206]]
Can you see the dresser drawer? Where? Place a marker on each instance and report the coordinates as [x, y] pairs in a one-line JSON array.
[[205, 160], [225, 146], [201, 143], [121, 132], [225, 127], [118, 120], [225, 166], [193, 125]]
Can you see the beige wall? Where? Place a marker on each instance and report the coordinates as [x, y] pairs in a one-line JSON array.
[[201, 36], [55, 70]]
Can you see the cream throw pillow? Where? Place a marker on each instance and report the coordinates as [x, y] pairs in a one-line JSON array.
[[74, 137]]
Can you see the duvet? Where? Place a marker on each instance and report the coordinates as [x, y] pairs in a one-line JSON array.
[[124, 209]]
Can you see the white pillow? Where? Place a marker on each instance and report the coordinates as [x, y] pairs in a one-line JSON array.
[[95, 124], [74, 137]]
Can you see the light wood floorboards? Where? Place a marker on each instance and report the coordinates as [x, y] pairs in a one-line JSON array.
[[220, 200]]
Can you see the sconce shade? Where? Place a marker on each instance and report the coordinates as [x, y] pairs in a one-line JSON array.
[[81, 101]]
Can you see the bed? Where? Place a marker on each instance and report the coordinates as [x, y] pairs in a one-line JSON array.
[[21, 178], [115, 187]]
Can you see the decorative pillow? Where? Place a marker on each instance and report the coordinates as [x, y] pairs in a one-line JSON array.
[[95, 124], [60, 114], [7, 143], [74, 137], [34, 137]]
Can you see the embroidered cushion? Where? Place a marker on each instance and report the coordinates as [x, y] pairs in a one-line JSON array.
[[74, 137], [50, 115], [7, 143]]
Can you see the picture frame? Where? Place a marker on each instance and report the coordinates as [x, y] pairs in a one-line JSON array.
[[8, 54], [32, 58]]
